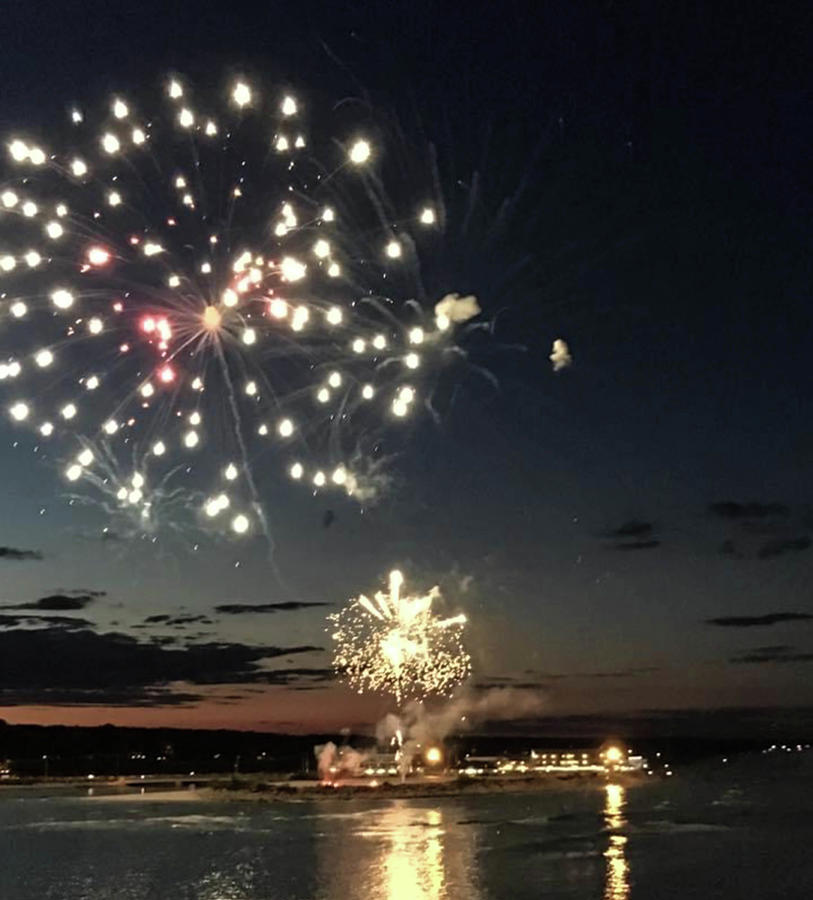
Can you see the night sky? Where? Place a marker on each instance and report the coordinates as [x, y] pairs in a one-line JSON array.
[[631, 535]]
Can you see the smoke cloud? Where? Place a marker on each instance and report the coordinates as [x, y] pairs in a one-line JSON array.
[[456, 308], [418, 726], [333, 762], [560, 355]]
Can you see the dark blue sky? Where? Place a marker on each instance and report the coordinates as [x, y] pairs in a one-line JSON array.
[[659, 217]]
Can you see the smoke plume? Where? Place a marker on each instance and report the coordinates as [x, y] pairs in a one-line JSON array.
[[333, 762], [456, 308], [419, 726], [560, 356]]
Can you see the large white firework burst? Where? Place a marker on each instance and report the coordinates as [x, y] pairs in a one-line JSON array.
[[187, 285], [398, 644]]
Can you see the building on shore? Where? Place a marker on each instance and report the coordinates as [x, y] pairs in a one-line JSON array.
[[610, 757]]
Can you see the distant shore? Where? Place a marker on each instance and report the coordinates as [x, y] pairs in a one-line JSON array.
[[265, 791], [258, 789]]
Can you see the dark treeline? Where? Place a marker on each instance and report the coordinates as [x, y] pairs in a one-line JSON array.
[[55, 751], [60, 750]]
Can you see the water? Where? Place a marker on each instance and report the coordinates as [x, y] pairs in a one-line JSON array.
[[741, 831]]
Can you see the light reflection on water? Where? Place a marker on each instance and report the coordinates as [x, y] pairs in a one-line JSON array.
[[673, 839], [412, 861], [405, 853], [617, 885]]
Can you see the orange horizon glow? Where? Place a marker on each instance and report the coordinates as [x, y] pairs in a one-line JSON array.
[[272, 710]]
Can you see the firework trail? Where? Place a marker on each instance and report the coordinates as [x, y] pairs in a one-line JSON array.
[[397, 644], [190, 285]]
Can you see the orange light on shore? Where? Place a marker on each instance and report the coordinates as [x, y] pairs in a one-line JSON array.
[[613, 754], [434, 756]]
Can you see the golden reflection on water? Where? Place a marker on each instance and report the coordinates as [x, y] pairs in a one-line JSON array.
[[408, 853], [413, 859], [617, 885]]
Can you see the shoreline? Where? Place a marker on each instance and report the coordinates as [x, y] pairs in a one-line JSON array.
[[355, 789], [259, 790]]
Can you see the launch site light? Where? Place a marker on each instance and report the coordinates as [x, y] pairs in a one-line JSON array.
[[613, 754], [433, 755]]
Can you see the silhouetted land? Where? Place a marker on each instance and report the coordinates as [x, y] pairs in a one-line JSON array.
[[61, 751]]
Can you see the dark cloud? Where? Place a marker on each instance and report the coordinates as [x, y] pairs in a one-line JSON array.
[[291, 676], [634, 534], [631, 529], [757, 621], [60, 602], [180, 621], [66, 666], [728, 509], [545, 675], [751, 543], [781, 653], [543, 679], [14, 553], [780, 546], [120, 696], [175, 621], [240, 608], [67, 623], [638, 545], [622, 673]]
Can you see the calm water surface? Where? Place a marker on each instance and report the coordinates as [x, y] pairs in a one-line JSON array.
[[742, 831]]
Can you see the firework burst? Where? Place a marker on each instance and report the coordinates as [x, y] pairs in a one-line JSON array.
[[137, 497], [397, 644], [194, 285]]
